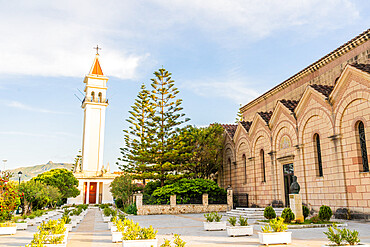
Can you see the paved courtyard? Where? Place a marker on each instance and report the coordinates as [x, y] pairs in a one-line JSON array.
[[93, 232]]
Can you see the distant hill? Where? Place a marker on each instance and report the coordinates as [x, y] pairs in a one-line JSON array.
[[32, 171]]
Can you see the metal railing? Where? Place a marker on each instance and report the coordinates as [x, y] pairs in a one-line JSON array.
[[187, 200], [241, 200], [217, 200]]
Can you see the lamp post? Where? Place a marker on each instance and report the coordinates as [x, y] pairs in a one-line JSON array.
[[19, 182], [4, 161]]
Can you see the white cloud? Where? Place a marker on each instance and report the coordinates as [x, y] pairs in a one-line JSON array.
[[234, 90], [19, 105], [55, 38]]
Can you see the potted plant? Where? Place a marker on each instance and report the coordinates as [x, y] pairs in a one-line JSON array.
[[67, 222], [343, 237], [275, 233], [8, 228], [42, 238], [242, 229], [116, 234], [107, 212], [54, 228], [20, 223], [31, 220], [213, 222], [135, 236]]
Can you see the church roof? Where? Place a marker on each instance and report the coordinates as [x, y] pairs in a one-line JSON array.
[[230, 128], [96, 68], [324, 89], [266, 116], [363, 67], [290, 104], [246, 125]]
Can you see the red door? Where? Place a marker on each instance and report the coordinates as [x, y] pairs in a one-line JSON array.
[[92, 193]]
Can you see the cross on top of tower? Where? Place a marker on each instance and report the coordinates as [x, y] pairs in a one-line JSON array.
[[97, 49]]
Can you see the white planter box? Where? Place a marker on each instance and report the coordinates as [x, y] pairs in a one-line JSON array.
[[113, 228], [9, 230], [110, 224], [275, 237], [106, 219], [235, 231], [68, 227], [55, 245], [214, 226], [359, 245], [140, 243], [74, 223], [21, 226], [116, 237], [31, 222], [38, 220]]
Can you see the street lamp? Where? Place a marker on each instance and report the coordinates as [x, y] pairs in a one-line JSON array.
[[19, 182], [4, 161]]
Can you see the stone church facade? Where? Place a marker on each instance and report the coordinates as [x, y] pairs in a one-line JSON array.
[[316, 126]]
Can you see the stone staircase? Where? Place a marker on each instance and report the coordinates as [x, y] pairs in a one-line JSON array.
[[253, 214]]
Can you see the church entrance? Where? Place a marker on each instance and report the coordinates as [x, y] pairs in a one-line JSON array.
[[92, 193], [288, 179]]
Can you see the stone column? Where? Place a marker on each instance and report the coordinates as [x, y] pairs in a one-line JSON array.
[[87, 192], [229, 199], [296, 206], [205, 199], [173, 200], [139, 200], [97, 193]]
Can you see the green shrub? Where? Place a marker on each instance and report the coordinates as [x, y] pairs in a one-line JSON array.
[[209, 217], [119, 203], [213, 217], [306, 211], [287, 215], [232, 221], [131, 209], [325, 213], [243, 221], [334, 235], [107, 212], [275, 225], [132, 231], [269, 213], [315, 219]]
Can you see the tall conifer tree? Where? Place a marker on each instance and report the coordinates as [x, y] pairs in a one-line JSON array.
[[167, 117], [137, 138]]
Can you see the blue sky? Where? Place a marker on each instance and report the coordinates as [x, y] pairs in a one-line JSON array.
[[221, 53]]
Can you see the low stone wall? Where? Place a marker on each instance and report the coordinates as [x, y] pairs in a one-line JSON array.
[[173, 208], [180, 209]]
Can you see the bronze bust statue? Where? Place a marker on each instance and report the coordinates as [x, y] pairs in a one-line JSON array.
[[294, 187]]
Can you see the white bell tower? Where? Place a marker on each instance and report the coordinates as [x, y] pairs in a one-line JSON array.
[[94, 106]]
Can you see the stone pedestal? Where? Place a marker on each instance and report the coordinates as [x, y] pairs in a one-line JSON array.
[[173, 200], [229, 199], [296, 206]]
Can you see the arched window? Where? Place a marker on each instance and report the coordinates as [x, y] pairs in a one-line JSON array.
[[100, 97], [362, 139], [245, 168], [229, 164], [92, 96], [262, 153], [316, 138]]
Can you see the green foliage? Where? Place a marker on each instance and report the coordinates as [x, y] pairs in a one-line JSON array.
[[66, 219], [201, 150], [76, 167], [269, 213], [335, 235], [325, 213], [351, 237], [9, 198], [132, 231], [306, 211], [131, 209], [122, 188], [62, 179], [178, 242], [232, 221], [239, 116], [275, 225], [213, 217], [287, 215], [190, 188], [243, 221], [107, 212], [52, 226]]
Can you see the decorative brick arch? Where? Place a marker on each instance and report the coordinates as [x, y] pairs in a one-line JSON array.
[[302, 123], [345, 102], [290, 132], [260, 134]]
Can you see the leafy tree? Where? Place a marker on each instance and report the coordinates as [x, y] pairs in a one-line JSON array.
[[9, 198], [137, 137], [36, 195], [202, 153], [76, 167], [166, 118], [122, 188], [62, 179]]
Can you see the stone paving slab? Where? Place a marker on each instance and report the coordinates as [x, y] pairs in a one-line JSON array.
[[93, 232]]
